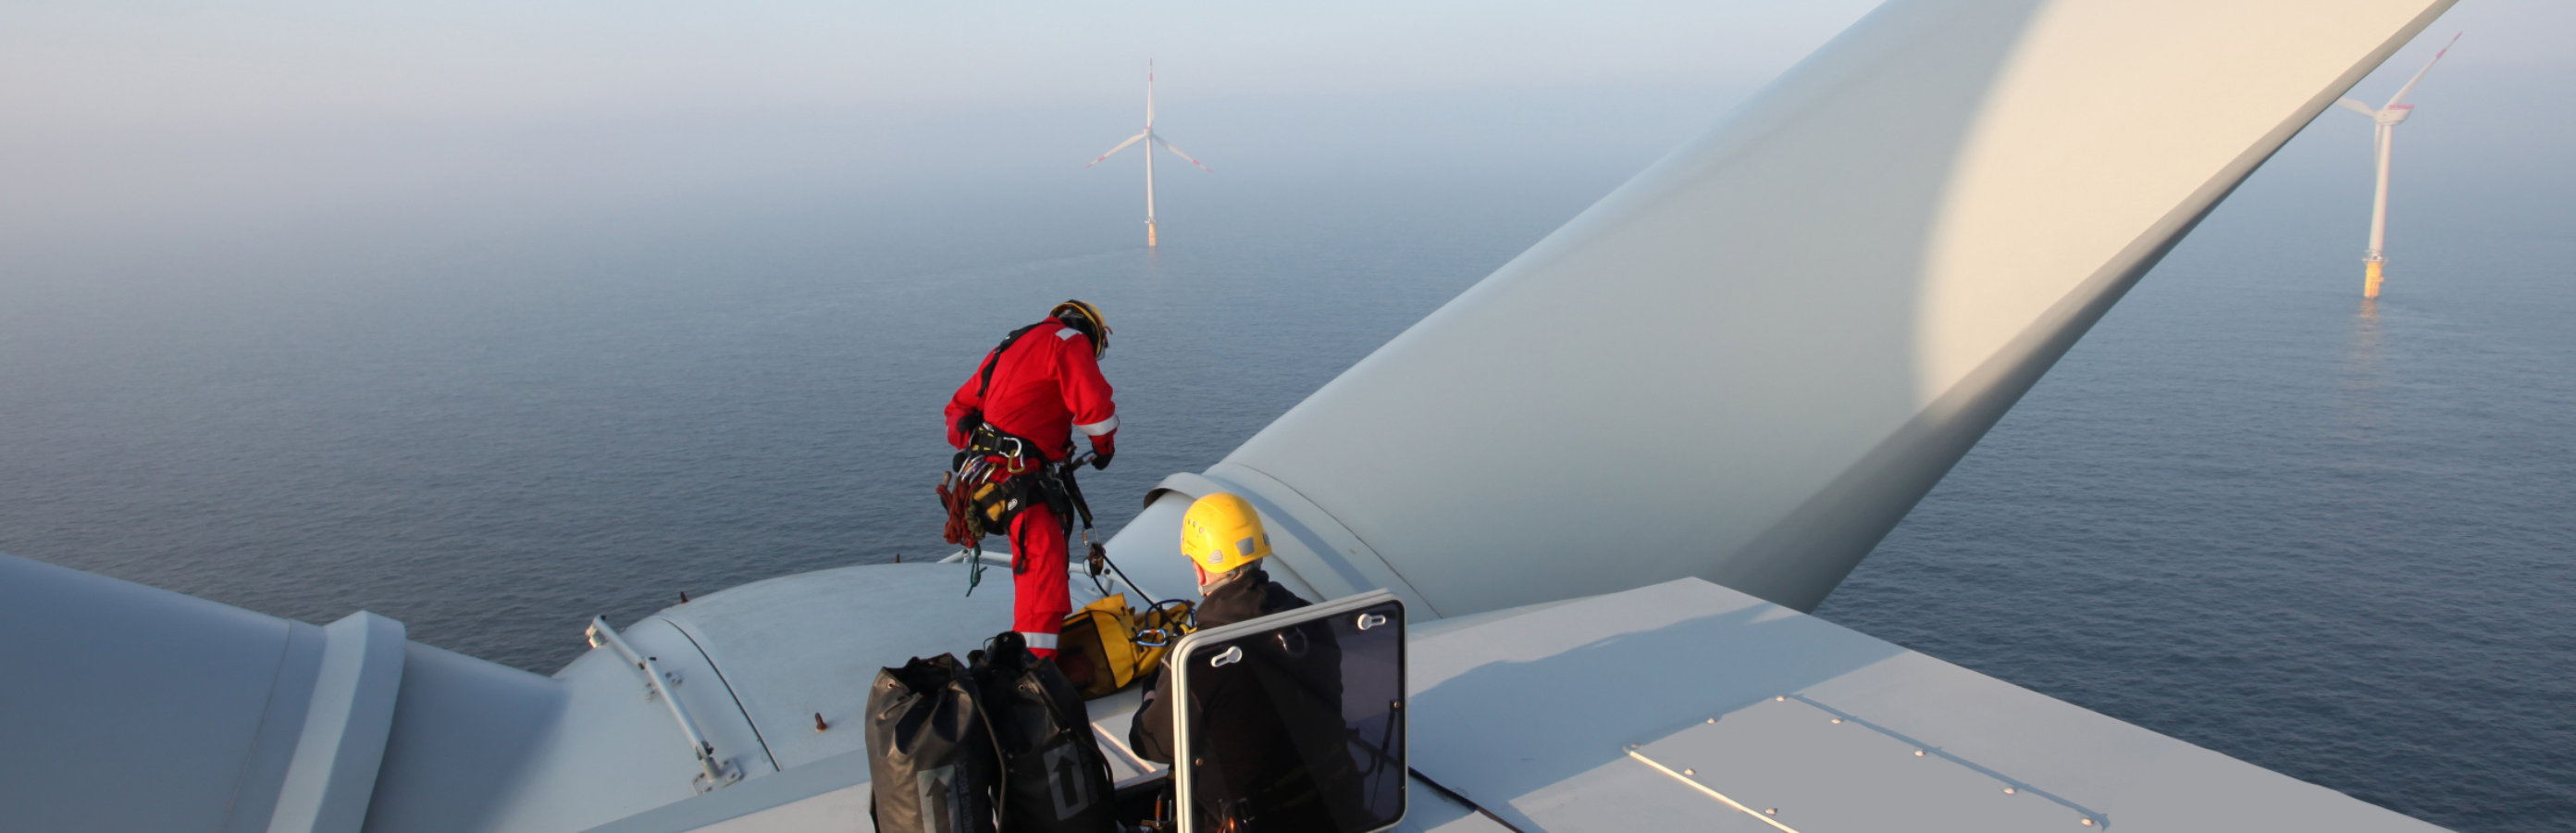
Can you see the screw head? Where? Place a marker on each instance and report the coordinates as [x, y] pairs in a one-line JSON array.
[[1772, 811], [2008, 790], [1689, 771], [1838, 721], [2088, 822]]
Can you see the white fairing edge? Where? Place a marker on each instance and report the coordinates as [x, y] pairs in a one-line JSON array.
[[1750, 361], [332, 776]]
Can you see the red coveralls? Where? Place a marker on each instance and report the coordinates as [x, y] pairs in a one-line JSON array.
[[1045, 387]]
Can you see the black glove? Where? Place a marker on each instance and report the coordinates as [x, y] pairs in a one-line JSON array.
[[1104, 447]]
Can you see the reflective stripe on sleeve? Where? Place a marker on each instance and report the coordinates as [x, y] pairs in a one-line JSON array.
[[1039, 640], [1067, 333], [1099, 428]]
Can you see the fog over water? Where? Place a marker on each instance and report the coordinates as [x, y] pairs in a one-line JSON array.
[[491, 357]]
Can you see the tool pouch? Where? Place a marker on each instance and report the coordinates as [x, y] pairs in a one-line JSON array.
[[981, 494], [996, 503]]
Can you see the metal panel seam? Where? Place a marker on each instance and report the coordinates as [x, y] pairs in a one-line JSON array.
[[756, 736], [1712, 793]]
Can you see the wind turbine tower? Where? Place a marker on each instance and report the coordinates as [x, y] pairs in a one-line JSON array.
[[1151, 141], [2385, 119]]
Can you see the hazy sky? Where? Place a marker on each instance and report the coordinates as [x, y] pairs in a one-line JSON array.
[[119, 113], [111, 66]]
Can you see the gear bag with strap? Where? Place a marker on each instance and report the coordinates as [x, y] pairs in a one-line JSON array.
[[931, 756], [1054, 778]]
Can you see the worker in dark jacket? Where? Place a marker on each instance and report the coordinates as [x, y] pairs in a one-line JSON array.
[[1255, 771], [1021, 408]]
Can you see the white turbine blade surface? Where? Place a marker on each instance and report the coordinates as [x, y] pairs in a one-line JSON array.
[[1750, 361], [2356, 106], [1177, 152], [1114, 151], [2400, 98]]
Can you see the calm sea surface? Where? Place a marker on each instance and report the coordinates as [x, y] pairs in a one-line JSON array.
[[2248, 510]]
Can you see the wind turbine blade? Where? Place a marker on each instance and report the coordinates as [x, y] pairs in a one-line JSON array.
[[1177, 152], [1824, 425], [2419, 74], [1114, 151], [2356, 106]]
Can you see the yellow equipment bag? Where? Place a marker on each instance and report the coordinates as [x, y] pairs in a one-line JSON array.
[[1098, 649]]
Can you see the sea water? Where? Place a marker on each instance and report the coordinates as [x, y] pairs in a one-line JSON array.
[[2248, 510]]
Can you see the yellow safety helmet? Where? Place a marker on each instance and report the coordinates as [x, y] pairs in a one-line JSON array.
[[1222, 532], [1085, 317]]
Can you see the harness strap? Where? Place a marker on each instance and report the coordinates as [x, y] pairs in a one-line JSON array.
[[1073, 490], [984, 375], [995, 357]]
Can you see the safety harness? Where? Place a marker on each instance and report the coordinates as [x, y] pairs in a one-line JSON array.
[[1001, 473]]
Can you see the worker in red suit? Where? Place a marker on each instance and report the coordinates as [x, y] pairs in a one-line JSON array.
[[1020, 410]]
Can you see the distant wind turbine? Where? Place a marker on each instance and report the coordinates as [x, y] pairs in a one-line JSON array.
[[2386, 119], [1150, 140]]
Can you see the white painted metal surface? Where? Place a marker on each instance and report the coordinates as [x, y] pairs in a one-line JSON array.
[[1751, 360], [827, 795], [1596, 715], [1653, 708], [1798, 766], [792, 647], [1585, 714], [332, 776], [612, 749], [130, 708], [1427, 811], [464, 735], [714, 771]]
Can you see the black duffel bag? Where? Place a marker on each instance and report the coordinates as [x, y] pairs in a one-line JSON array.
[[1054, 779], [930, 754]]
